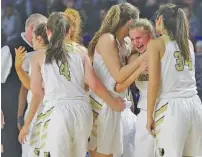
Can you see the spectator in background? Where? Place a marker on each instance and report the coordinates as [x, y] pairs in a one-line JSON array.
[[60, 5], [140, 4], [194, 23], [198, 13], [99, 18], [103, 13], [11, 24], [69, 3], [150, 8], [198, 66], [199, 47], [88, 14]]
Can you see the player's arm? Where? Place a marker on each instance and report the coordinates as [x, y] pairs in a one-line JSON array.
[[107, 48], [19, 58], [22, 98], [96, 86], [36, 88], [154, 75], [24, 77], [131, 79]]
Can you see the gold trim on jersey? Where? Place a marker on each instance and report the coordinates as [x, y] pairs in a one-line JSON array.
[[33, 142], [42, 145], [159, 119], [40, 116], [36, 134], [37, 151], [143, 77], [161, 110], [95, 117], [44, 136], [95, 105], [64, 70], [96, 108], [46, 124], [47, 154]]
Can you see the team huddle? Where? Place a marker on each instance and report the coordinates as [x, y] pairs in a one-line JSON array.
[[79, 99]]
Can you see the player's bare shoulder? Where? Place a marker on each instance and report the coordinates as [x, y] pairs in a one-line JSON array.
[[82, 49], [158, 44], [39, 56], [107, 40]]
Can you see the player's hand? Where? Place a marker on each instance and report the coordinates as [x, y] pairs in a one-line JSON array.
[[119, 105], [19, 56], [151, 126], [23, 134]]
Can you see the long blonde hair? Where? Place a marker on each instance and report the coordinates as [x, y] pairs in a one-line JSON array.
[[75, 21], [116, 17], [143, 23]]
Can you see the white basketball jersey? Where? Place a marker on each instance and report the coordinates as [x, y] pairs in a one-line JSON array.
[[104, 75], [142, 84], [27, 68], [66, 80], [177, 75]]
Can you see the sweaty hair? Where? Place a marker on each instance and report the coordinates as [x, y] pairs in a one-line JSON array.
[[40, 30], [75, 21], [117, 16], [35, 20], [59, 27], [176, 24], [143, 23]]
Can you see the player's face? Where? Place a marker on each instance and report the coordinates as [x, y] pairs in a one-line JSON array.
[[140, 38]]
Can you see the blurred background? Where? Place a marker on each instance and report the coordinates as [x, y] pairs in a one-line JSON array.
[[15, 13]]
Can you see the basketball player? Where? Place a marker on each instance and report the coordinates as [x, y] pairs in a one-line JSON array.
[[22, 65], [31, 22], [67, 115], [75, 20], [40, 42], [141, 32], [172, 94], [109, 53]]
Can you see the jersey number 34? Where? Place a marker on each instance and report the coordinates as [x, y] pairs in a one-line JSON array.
[[181, 63]]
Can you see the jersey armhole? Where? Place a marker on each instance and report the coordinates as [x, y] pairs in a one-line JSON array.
[[166, 39]]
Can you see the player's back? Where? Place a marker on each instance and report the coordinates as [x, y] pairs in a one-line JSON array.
[[65, 80], [177, 75]]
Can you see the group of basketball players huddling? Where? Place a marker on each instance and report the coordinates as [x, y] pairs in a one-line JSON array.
[[78, 99]]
